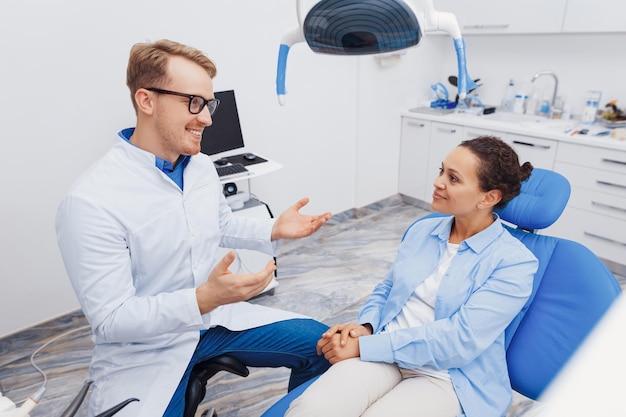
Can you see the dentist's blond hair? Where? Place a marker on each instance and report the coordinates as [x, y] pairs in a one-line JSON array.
[[147, 64]]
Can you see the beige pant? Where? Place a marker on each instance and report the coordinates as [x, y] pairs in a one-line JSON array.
[[353, 388]]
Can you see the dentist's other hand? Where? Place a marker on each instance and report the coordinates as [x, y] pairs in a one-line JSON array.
[[223, 287]]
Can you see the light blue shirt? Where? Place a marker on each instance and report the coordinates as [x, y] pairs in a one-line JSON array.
[[175, 172], [486, 286]]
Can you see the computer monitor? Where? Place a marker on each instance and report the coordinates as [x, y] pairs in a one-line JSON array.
[[225, 132]]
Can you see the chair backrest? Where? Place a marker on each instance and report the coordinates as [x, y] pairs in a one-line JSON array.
[[571, 292]]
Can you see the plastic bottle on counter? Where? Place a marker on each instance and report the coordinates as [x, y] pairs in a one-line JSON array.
[[521, 98], [544, 107], [509, 96], [532, 106], [567, 112], [592, 103]]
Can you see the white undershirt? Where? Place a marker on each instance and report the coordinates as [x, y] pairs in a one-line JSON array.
[[420, 307]]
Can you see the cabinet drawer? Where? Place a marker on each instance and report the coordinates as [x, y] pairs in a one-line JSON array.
[[490, 17], [606, 237], [474, 132], [538, 151], [600, 203], [596, 180], [604, 159], [594, 16]]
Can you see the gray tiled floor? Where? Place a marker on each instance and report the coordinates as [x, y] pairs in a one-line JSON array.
[[326, 276]]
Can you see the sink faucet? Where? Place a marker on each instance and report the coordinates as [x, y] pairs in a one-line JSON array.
[[556, 86]]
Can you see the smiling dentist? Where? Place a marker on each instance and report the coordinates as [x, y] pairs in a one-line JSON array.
[[138, 233]]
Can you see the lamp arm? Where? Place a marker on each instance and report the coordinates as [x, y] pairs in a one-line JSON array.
[[433, 21], [464, 82], [291, 37], [448, 23], [299, 13], [444, 21]]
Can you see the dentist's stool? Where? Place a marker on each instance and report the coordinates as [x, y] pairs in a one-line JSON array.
[[201, 373]]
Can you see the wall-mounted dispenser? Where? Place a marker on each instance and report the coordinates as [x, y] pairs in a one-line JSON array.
[[363, 27]]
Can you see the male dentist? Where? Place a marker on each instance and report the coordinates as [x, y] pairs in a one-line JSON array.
[[138, 233]]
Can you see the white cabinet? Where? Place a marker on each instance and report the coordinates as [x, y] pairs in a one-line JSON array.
[[414, 157], [538, 151], [506, 17], [443, 139], [487, 17], [596, 212], [470, 132], [584, 16], [425, 144], [423, 147]]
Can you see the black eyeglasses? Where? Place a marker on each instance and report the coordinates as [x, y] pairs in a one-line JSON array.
[[196, 103]]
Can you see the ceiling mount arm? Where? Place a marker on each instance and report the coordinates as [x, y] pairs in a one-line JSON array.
[[464, 83], [448, 23]]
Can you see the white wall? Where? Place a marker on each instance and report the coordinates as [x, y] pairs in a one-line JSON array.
[[63, 99], [582, 62], [383, 93]]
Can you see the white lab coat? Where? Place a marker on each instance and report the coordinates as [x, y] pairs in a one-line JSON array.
[[135, 247]]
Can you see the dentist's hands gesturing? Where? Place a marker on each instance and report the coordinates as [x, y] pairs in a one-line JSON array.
[[223, 287]]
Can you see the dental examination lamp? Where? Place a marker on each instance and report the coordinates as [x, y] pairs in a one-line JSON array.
[[368, 27]]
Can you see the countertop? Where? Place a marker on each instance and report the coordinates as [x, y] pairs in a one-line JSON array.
[[537, 126]]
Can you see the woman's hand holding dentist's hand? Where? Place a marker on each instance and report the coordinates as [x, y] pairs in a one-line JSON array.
[[292, 225], [223, 287]]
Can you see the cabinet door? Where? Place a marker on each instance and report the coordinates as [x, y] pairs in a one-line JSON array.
[[605, 237], [443, 138], [538, 151], [506, 17], [474, 132], [595, 16], [413, 157]]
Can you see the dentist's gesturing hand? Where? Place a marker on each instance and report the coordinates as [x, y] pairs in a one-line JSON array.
[[223, 287], [292, 224]]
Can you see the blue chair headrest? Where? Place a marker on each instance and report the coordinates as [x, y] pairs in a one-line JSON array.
[[541, 201]]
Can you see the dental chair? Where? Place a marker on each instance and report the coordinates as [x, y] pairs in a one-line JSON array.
[[571, 292]]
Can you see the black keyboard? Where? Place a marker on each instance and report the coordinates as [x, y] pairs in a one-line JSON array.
[[231, 169]]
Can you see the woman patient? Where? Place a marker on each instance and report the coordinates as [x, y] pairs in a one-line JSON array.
[[429, 340]]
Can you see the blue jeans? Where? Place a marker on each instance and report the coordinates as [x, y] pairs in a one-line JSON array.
[[288, 343]]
